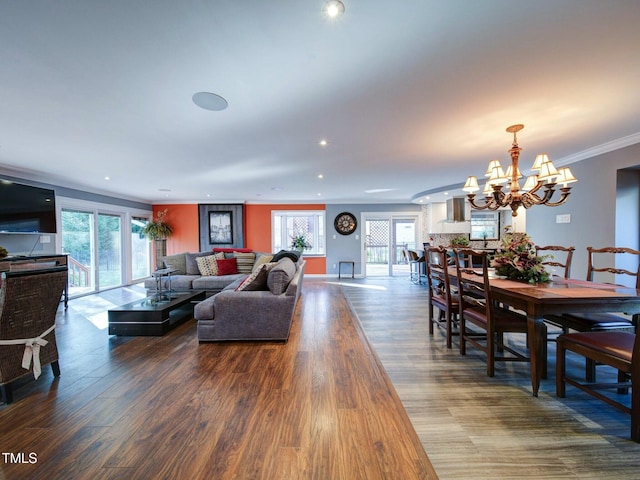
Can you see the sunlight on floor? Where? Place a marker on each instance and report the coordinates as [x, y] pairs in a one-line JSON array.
[[358, 285]]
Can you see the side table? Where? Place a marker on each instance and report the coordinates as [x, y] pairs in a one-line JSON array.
[[158, 275], [347, 262]]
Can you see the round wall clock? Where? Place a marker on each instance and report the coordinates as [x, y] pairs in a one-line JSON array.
[[345, 223]]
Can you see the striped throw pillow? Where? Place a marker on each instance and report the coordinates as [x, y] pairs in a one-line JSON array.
[[244, 261]]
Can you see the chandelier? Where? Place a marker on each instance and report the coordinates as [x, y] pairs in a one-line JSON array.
[[547, 176]]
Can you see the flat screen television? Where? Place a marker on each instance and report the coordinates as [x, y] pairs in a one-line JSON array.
[[26, 209]]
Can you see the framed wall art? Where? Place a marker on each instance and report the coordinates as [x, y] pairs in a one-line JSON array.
[[221, 228]]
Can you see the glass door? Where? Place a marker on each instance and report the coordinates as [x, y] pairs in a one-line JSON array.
[[377, 247], [109, 250], [140, 249], [78, 244], [386, 236]]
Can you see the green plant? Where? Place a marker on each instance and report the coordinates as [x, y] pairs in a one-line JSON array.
[[158, 229], [460, 242], [517, 259], [299, 242], [3, 252]]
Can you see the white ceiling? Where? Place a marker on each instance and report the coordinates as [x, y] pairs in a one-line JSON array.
[[412, 95]]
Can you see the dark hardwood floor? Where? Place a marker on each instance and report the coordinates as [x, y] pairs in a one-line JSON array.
[[321, 406]]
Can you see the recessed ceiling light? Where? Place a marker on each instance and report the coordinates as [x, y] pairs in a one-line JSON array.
[[107, 178], [320, 176], [164, 189], [333, 8], [323, 143], [209, 101], [446, 193]]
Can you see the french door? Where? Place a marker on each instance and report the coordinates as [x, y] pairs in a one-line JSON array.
[[385, 237], [93, 242]]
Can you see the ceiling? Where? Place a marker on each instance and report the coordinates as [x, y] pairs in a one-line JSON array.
[[412, 96]]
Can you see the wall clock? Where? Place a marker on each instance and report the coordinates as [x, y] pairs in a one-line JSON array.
[[345, 223]]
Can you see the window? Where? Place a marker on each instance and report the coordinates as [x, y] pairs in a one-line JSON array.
[[287, 225], [485, 225]]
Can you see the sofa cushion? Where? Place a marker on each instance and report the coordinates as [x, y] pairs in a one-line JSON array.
[[177, 262], [192, 265], [261, 259], [217, 283], [280, 275], [292, 254], [245, 261], [227, 266], [208, 266], [258, 279]]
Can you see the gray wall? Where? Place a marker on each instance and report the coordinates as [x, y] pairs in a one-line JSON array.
[[26, 244], [348, 247], [601, 215]]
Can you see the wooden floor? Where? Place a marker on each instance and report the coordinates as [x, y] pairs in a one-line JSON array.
[[476, 427], [318, 407]]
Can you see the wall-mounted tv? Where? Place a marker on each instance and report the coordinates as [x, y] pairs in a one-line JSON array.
[[26, 209]]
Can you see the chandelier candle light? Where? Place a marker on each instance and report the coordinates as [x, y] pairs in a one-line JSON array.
[[548, 177]]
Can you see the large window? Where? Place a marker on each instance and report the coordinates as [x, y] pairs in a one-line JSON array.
[[288, 225], [485, 225]]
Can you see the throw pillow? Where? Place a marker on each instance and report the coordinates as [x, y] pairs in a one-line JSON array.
[[244, 261], [192, 265], [178, 262], [293, 255], [281, 275], [227, 266], [257, 280], [261, 260], [207, 266]]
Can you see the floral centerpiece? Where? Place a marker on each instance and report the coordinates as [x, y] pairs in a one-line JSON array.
[[517, 259]]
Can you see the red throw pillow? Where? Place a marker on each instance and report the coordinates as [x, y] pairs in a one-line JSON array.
[[227, 266], [232, 249]]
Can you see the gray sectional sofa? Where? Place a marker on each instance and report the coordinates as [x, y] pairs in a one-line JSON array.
[[253, 315], [257, 304]]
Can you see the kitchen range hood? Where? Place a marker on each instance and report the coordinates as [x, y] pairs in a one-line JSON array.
[[455, 209]]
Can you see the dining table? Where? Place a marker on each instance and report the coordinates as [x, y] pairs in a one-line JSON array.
[[556, 297]]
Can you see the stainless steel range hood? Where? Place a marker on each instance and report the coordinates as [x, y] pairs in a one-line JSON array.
[[455, 209]]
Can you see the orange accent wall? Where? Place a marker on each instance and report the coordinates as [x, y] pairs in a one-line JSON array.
[[186, 232], [257, 231]]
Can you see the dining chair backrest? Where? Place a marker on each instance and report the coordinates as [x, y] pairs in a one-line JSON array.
[[556, 262], [437, 273], [473, 280], [595, 266]]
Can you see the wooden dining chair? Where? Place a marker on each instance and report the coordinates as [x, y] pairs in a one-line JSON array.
[[476, 306], [620, 350], [601, 261], [440, 294], [566, 254]]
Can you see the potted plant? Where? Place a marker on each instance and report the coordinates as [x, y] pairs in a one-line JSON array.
[[299, 242], [3, 252], [158, 231], [460, 241]]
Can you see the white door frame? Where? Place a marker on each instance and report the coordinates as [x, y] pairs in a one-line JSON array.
[[390, 216]]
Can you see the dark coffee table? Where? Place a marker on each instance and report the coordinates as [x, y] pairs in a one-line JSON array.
[[154, 315]]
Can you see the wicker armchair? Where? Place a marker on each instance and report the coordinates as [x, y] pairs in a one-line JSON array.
[[28, 304]]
